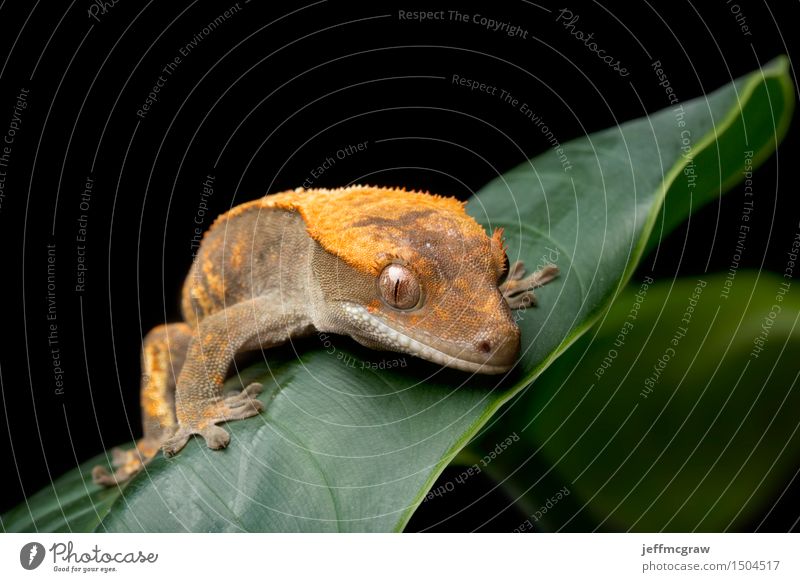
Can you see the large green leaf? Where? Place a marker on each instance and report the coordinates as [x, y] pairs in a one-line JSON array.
[[341, 448], [678, 415], [71, 503]]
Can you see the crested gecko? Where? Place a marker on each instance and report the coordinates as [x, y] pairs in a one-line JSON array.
[[393, 269]]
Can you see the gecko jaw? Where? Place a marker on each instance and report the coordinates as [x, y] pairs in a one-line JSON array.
[[377, 330]]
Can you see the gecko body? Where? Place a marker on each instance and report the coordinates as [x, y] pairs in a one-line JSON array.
[[395, 270]]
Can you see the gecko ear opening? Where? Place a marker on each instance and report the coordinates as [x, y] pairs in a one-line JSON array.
[[399, 287]]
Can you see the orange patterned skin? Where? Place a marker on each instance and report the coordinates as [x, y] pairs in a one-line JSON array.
[[393, 269], [351, 222]]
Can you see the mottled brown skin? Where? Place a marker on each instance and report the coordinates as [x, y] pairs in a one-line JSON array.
[[307, 261]]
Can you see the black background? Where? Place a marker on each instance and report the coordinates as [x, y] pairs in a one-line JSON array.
[[258, 104]]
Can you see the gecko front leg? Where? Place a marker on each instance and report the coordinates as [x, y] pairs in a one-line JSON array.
[[199, 402], [163, 353], [517, 289]]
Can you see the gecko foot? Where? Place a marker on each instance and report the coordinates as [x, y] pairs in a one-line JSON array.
[[127, 463], [517, 289], [237, 407]]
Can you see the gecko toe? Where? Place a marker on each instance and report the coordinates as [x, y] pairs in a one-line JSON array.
[[522, 300], [517, 290], [127, 462], [173, 445], [216, 437], [245, 409], [245, 398], [101, 476], [118, 457], [516, 271]]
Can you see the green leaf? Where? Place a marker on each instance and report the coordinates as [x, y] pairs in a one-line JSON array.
[[341, 448], [72, 503], [673, 415]]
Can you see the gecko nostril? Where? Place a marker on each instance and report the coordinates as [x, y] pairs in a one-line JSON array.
[[484, 346]]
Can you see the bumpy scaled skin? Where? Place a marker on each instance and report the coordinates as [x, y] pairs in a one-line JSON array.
[[395, 270]]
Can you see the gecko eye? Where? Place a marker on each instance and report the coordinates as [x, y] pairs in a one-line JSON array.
[[399, 286]]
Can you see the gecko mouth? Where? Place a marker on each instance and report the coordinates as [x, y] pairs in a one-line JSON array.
[[378, 332]]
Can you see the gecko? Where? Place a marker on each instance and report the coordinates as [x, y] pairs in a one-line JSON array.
[[396, 270]]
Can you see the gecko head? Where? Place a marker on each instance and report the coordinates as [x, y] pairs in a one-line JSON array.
[[413, 273]]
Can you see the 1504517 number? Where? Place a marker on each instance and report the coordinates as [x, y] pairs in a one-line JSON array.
[[756, 564]]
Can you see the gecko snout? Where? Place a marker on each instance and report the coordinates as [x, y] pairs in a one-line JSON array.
[[500, 350]]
